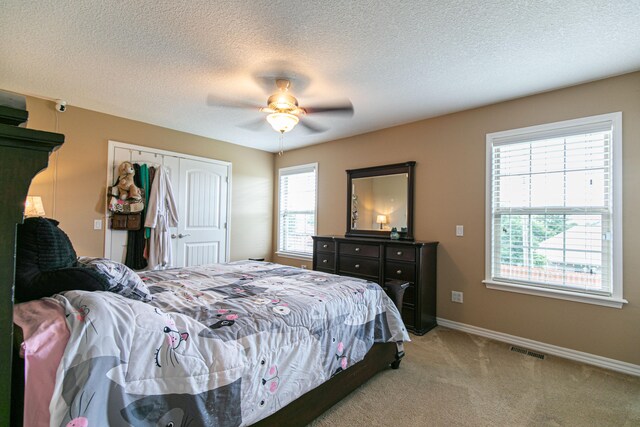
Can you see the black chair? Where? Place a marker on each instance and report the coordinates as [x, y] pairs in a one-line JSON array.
[[395, 289]]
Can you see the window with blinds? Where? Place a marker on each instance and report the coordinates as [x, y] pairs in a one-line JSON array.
[[553, 212], [297, 209]]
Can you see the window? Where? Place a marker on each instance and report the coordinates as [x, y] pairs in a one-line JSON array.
[[297, 210], [554, 210]]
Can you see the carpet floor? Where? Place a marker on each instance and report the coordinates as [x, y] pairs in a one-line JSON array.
[[451, 378]]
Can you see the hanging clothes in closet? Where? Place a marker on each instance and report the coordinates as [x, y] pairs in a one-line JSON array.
[[135, 238], [147, 230], [162, 213]]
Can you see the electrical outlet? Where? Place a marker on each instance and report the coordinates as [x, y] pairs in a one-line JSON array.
[[97, 224], [456, 296], [459, 230]]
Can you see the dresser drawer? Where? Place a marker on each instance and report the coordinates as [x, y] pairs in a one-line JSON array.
[[399, 253], [325, 261], [400, 271], [359, 266], [360, 249], [325, 246]]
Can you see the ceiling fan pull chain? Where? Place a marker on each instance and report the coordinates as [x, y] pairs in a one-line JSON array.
[[281, 144]]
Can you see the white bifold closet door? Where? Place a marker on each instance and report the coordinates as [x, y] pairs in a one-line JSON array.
[[201, 191]]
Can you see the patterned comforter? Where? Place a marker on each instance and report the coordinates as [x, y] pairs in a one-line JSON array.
[[219, 345]]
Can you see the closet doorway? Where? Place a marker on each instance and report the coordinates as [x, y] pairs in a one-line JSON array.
[[202, 191]]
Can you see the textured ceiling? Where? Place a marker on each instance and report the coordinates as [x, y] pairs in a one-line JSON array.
[[397, 61]]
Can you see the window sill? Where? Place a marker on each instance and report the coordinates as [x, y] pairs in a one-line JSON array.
[[295, 255], [556, 293]]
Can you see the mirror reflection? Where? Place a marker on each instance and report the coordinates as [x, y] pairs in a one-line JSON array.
[[379, 202]]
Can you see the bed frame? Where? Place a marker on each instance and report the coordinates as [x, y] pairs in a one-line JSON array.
[[309, 406], [25, 152]]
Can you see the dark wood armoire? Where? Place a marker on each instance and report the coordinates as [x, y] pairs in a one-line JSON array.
[[23, 153]]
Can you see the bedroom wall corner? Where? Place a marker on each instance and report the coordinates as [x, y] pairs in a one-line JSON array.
[[73, 186]]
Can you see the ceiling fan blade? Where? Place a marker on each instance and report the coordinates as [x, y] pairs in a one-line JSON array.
[[345, 108], [312, 127], [254, 125], [215, 101]]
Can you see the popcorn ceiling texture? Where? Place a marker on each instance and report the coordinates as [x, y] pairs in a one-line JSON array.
[[401, 61]]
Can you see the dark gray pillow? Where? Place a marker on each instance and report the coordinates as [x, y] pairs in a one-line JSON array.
[[46, 262], [122, 280]]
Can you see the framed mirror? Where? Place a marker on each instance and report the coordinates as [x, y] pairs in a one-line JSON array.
[[380, 198]]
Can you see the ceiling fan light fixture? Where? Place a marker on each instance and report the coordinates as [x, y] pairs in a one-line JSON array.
[[282, 122]]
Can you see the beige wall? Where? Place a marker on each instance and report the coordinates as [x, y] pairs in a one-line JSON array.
[[450, 190], [77, 175]]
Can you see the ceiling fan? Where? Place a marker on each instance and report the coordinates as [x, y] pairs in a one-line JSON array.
[[283, 110]]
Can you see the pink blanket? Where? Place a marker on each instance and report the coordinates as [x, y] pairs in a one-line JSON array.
[[46, 335]]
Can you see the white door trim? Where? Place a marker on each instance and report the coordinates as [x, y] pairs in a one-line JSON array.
[[116, 144]]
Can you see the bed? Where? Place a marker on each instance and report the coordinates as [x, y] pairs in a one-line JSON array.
[[232, 310], [218, 345]]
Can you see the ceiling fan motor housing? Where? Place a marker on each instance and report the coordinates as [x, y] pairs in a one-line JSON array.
[[282, 102]]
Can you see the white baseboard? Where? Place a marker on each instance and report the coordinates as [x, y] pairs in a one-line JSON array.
[[567, 353]]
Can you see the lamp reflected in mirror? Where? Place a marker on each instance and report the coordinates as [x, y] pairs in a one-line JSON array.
[[33, 206], [381, 219]]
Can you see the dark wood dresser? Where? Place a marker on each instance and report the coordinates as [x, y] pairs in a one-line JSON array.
[[380, 260]]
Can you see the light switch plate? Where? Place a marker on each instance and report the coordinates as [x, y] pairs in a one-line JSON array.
[[97, 224], [457, 296], [459, 230]]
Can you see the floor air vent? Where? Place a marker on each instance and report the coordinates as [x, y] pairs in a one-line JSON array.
[[527, 352]]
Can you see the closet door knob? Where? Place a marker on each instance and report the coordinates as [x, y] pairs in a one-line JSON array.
[[357, 266], [399, 253], [183, 235], [399, 272], [325, 246], [357, 249], [324, 261]]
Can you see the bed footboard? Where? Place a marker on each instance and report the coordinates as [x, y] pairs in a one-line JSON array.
[[312, 404]]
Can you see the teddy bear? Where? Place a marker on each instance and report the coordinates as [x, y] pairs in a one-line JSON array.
[[126, 188]]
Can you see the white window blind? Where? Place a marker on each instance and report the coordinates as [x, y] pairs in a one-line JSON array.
[[297, 209], [552, 217]]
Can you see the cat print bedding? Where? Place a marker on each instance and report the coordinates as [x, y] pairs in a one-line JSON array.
[[218, 345]]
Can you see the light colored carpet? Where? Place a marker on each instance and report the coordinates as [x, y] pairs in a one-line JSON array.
[[450, 378]]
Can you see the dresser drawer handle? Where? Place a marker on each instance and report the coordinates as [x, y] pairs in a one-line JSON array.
[[357, 249], [399, 272], [325, 261], [357, 266], [399, 253], [325, 246]]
